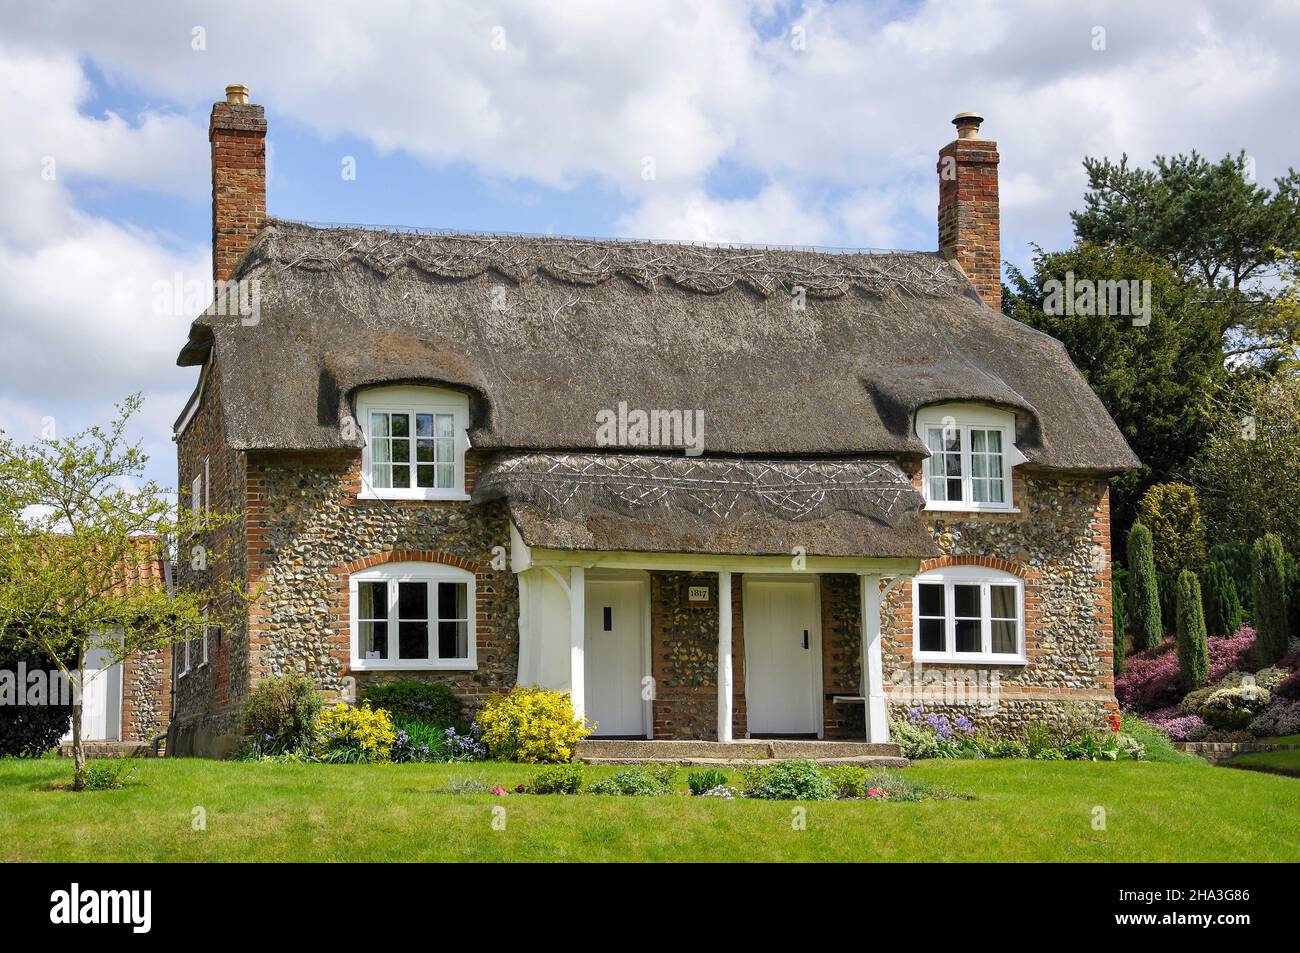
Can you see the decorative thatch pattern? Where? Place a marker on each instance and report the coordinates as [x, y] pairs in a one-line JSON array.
[[780, 352], [720, 488]]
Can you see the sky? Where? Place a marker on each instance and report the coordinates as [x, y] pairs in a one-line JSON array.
[[812, 123]]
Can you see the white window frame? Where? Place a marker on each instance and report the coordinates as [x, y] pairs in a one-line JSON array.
[[203, 660], [965, 418], [969, 575], [430, 574], [414, 400]]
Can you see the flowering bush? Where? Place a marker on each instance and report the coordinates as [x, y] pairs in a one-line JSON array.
[[795, 779], [1178, 725], [1280, 718], [533, 725], [1150, 679], [1233, 709], [1289, 687], [281, 714], [361, 734]]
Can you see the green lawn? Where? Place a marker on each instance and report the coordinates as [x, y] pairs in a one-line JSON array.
[[1022, 811], [1279, 762]]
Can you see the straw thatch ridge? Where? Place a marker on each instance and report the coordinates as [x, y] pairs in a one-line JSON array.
[[784, 352], [666, 503]]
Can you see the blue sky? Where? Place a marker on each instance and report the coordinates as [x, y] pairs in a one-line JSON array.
[[813, 123]]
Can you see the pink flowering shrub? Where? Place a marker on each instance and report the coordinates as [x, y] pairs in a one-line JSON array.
[[1150, 679], [1178, 726]]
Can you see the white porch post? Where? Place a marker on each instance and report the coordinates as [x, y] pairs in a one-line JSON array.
[[577, 640], [724, 657], [873, 684]]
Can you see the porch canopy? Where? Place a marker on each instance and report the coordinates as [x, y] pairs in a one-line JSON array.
[[573, 512]]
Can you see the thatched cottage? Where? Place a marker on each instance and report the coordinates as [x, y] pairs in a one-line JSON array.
[[713, 492]]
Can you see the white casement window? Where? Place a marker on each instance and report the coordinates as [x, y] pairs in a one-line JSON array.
[[971, 452], [415, 442], [413, 616], [968, 614]]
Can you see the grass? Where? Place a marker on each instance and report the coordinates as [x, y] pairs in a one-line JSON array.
[[1277, 762], [1022, 810]]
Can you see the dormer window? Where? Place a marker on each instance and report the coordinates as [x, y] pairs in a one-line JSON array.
[[415, 443], [972, 450]]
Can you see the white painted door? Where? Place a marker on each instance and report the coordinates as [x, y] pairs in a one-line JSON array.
[[782, 655], [615, 656], [101, 698]]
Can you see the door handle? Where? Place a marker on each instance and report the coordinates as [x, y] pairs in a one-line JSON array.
[[805, 639]]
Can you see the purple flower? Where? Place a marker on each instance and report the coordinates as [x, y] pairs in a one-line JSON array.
[[964, 725]]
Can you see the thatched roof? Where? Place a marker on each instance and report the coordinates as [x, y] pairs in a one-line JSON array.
[[610, 501], [545, 333]]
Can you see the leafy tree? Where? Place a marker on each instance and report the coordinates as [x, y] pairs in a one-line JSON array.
[[1193, 650], [1223, 614], [1144, 599], [1272, 620], [1215, 225], [1246, 474], [1173, 514], [73, 512], [1153, 379]]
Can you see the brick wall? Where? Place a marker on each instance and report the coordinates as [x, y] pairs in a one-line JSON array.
[[146, 693], [237, 132]]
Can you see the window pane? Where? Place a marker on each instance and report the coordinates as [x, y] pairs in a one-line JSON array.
[[446, 475], [424, 451], [413, 640], [1003, 599], [931, 635], [412, 600], [424, 476], [451, 600], [979, 465], [446, 450], [931, 599], [934, 439], [995, 490], [966, 601], [446, 425], [401, 424], [994, 438], [980, 489], [373, 640], [372, 600], [453, 640], [1004, 637], [381, 451], [968, 635], [381, 476], [378, 425], [954, 489], [424, 425], [401, 477], [401, 451]]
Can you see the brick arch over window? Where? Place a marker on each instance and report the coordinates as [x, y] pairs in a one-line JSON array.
[[987, 562], [409, 556]]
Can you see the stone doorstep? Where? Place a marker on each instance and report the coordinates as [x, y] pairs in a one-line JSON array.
[[866, 761], [110, 749]]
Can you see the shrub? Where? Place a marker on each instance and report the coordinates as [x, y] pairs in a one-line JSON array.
[[282, 713], [1289, 687], [1172, 511], [1144, 595], [1233, 709], [1150, 679], [849, 780], [532, 725], [1222, 603], [1167, 586], [556, 779], [109, 774], [1176, 724], [1049, 754], [1193, 653], [28, 731], [1130, 747], [1007, 749], [1235, 557], [408, 699], [1282, 717], [1074, 724], [1268, 579], [795, 779], [705, 780], [354, 735], [913, 740], [1117, 622], [648, 780]]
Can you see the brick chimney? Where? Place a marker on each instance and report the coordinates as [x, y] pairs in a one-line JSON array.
[[237, 132], [968, 207]]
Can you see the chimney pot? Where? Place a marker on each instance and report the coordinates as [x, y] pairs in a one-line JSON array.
[[968, 125], [237, 94]]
